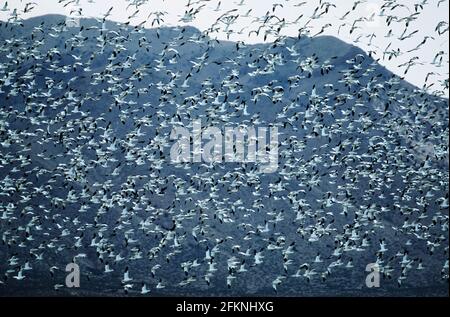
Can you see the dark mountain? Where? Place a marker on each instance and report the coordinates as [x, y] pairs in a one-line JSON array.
[[85, 118]]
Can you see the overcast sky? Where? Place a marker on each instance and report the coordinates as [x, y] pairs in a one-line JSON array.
[[374, 35]]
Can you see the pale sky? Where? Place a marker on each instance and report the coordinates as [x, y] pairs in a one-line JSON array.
[[373, 35]]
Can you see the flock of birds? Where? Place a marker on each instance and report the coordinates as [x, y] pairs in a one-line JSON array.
[[85, 174]]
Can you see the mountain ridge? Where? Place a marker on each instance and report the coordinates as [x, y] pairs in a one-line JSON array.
[[85, 123], [331, 41]]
